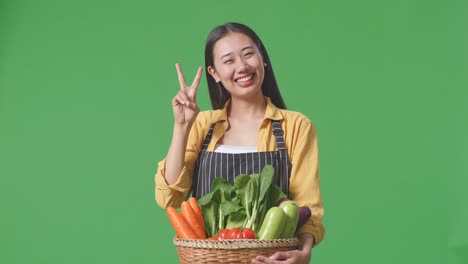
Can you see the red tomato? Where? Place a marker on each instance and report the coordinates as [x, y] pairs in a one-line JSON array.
[[248, 233], [235, 233], [224, 234]]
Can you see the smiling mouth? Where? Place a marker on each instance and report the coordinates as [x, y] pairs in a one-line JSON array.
[[245, 79]]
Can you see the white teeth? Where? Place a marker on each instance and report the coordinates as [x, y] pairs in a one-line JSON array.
[[245, 78]]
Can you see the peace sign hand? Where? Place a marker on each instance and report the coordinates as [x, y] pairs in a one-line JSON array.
[[184, 104]]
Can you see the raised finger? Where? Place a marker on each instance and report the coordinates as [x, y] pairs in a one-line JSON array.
[[180, 75], [196, 81], [195, 84]]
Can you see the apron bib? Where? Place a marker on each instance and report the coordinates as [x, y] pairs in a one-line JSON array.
[[228, 165]]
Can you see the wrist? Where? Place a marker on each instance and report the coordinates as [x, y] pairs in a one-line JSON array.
[[306, 241], [183, 129], [180, 136]]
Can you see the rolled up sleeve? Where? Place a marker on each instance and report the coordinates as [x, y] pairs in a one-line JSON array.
[[304, 179], [174, 194]]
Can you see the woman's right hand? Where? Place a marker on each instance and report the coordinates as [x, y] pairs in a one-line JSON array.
[[184, 104]]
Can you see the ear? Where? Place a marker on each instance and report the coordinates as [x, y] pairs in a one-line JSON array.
[[213, 73]]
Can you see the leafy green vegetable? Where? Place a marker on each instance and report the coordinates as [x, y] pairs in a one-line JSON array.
[[243, 205], [235, 219], [210, 213]]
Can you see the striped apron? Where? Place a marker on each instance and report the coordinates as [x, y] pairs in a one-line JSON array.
[[228, 165]]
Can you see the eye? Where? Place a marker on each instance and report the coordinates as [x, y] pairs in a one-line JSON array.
[[228, 61], [248, 54]]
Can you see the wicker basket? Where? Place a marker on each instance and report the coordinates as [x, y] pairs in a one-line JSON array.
[[229, 251]]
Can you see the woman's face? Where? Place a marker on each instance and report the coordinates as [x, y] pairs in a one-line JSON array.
[[238, 65]]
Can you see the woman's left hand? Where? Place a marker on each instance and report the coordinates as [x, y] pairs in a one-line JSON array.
[[299, 256], [293, 256]]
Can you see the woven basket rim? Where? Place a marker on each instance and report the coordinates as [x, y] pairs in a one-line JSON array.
[[233, 244]]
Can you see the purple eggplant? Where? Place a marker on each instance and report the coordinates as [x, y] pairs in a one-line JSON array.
[[304, 215]]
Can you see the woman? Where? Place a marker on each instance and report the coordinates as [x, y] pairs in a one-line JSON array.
[[248, 128]]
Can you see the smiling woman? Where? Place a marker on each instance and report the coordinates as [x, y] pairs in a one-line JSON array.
[[222, 50], [237, 63], [248, 114]]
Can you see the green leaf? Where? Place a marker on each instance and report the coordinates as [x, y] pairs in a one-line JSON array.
[[224, 187], [214, 195], [210, 213], [240, 183], [274, 195], [253, 188], [236, 219], [266, 179], [236, 200], [221, 184], [230, 207]]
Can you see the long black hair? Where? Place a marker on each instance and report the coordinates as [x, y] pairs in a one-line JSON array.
[[218, 94]]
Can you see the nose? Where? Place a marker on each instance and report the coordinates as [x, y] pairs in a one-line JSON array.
[[242, 66]]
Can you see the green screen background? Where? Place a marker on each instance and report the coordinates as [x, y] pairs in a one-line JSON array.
[[85, 115]]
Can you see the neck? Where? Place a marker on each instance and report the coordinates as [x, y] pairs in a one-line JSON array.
[[252, 107]]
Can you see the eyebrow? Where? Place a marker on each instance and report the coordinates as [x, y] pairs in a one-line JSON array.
[[244, 48]]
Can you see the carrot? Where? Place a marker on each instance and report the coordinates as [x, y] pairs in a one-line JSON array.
[[180, 225], [192, 220], [196, 208]]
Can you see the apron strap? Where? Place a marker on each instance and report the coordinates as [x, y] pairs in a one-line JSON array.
[[207, 140], [284, 165], [278, 132]]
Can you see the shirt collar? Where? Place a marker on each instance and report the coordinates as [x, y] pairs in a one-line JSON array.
[[272, 112]]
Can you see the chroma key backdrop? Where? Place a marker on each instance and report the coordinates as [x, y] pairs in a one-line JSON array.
[[85, 115]]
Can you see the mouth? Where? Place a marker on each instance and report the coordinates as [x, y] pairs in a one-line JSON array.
[[245, 80]]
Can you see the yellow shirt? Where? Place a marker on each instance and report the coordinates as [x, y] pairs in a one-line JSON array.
[[301, 144]]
